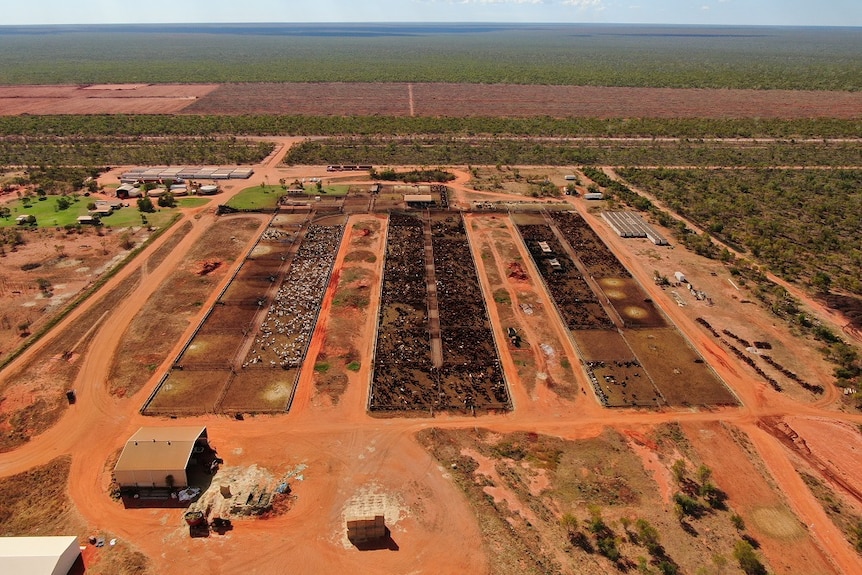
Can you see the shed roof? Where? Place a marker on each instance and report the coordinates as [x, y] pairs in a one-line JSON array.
[[153, 448], [418, 198], [36, 555]]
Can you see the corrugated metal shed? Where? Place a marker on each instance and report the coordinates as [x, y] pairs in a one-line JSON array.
[[153, 453]]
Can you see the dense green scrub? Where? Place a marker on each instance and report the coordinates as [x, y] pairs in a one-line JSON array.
[[265, 125], [100, 151], [516, 152], [802, 224], [659, 56]]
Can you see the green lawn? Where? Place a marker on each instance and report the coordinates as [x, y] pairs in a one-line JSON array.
[[192, 202], [47, 214], [334, 190], [256, 198], [266, 197]]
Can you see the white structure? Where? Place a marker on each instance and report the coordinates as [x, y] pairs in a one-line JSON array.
[[630, 225], [679, 277], [38, 555]]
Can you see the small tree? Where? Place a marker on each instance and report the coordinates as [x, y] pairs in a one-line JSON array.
[[822, 282], [704, 474], [678, 469], [167, 200], [146, 205], [749, 562], [649, 537], [126, 241], [44, 286], [570, 523], [63, 203]]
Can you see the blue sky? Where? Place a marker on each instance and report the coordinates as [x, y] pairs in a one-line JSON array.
[[753, 12]]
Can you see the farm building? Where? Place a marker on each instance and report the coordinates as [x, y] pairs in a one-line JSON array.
[[571, 177], [208, 190], [165, 173], [420, 201], [680, 277], [128, 191], [39, 555], [88, 220], [594, 196], [630, 225], [108, 205], [153, 454]]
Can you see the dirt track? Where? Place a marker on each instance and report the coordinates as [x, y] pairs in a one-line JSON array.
[[347, 450]]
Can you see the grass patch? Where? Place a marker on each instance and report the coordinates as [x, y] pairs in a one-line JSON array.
[[366, 256], [35, 502], [257, 198], [332, 190], [192, 202], [353, 366], [48, 215], [501, 296], [356, 298], [322, 367]]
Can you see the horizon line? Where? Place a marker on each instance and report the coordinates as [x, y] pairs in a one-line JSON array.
[[428, 23]]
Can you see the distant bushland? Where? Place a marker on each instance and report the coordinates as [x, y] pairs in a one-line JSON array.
[[590, 55]]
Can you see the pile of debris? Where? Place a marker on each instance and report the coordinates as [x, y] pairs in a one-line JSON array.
[[240, 492], [516, 272]]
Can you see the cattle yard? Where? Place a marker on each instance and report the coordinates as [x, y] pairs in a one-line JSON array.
[[434, 349], [247, 353], [631, 356]]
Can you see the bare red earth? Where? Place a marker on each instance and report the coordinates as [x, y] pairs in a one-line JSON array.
[[463, 100], [455, 100]]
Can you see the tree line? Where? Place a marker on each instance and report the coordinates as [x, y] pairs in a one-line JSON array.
[[271, 125], [518, 151]]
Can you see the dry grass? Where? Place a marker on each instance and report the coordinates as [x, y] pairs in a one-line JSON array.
[[521, 485], [36, 503], [166, 315]]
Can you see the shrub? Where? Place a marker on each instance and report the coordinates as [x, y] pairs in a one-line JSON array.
[[748, 560]]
